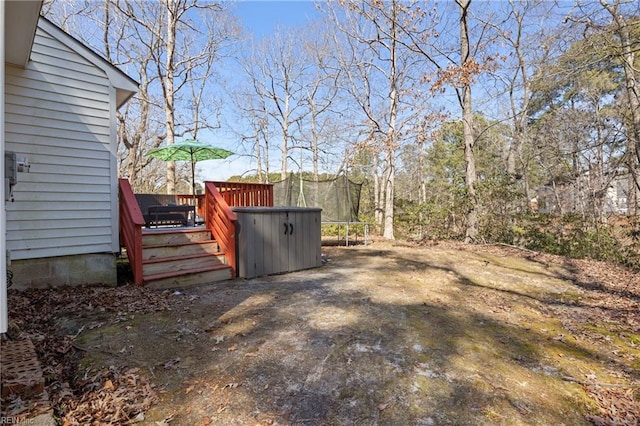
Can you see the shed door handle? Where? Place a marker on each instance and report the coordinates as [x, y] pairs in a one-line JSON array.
[[291, 229], [286, 228]]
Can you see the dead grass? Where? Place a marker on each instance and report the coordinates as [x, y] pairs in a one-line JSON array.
[[386, 334]]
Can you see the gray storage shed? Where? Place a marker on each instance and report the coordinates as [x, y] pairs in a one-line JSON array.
[[272, 240]]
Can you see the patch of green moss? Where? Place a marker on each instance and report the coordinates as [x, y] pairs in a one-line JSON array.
[[633, 339], [565, 297], [625, 342], [88, 361], [491, 415]]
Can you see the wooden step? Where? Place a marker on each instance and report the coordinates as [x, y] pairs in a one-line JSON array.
[[185, 249], [173, 236], [194, 277], [182, 263]]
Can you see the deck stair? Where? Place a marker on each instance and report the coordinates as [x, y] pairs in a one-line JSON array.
[[182, 257], [165, 257]]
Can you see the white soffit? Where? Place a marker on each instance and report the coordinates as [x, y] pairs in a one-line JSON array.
[[21, 19]]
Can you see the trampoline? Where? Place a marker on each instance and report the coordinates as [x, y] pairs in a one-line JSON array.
[[339, 199]]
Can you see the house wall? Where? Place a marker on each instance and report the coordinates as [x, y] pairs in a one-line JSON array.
[[4, 317], [59, 112], [92, 268]]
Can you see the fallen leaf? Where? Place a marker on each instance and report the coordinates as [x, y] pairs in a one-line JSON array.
[[231, 385], [137, 419], [383, 406], [171, 364], [165, 421]]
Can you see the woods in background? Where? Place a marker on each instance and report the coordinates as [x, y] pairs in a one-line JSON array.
[[514, 121]]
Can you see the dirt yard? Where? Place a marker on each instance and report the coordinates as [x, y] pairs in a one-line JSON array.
[[384, 334]]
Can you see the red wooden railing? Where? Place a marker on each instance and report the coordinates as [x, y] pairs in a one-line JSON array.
[[131, 222], [240, 194], [221, 221], [188, 199]]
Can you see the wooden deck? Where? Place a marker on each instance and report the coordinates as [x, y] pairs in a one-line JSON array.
[[173, 257]]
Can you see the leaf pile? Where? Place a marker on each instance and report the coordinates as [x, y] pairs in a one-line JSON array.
[[111, 396], [616, 406]]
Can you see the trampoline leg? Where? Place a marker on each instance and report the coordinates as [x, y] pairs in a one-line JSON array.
[[346, 234], [366, 233]]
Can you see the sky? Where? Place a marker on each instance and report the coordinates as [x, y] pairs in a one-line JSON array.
[[260, 18]]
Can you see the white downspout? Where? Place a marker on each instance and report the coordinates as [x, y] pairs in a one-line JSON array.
[[4, 318]]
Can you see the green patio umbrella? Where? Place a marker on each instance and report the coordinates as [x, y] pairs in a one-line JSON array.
[[189, 150]]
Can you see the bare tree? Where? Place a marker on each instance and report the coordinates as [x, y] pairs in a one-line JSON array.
[[378, 74], [468, 67], [276, 69], [183, 58], [252, 122], [218, 38], [322, 90], [458, 68]]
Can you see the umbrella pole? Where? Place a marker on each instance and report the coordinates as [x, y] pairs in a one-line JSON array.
[[193, 190]]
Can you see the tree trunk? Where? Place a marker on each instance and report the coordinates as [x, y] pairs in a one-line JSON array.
[[389, 189], [285, 153], [377, 192], [259, 158], [521, 111], [169, 92], [471, 233], [422, 187], [266, 156], [314, 143], [392, 136]]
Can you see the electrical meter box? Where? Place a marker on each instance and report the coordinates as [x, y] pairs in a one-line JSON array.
[[10, 167]]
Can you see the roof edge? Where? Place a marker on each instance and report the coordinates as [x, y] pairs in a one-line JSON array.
[[125, 85], [22, 17]]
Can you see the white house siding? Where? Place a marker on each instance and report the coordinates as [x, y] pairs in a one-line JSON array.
[[59, 112], [4, 311]]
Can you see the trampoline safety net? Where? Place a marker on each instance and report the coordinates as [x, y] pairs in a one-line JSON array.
[[339, 198]]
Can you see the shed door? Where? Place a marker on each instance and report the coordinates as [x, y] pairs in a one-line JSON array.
[[304, 240], [272, 253]]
